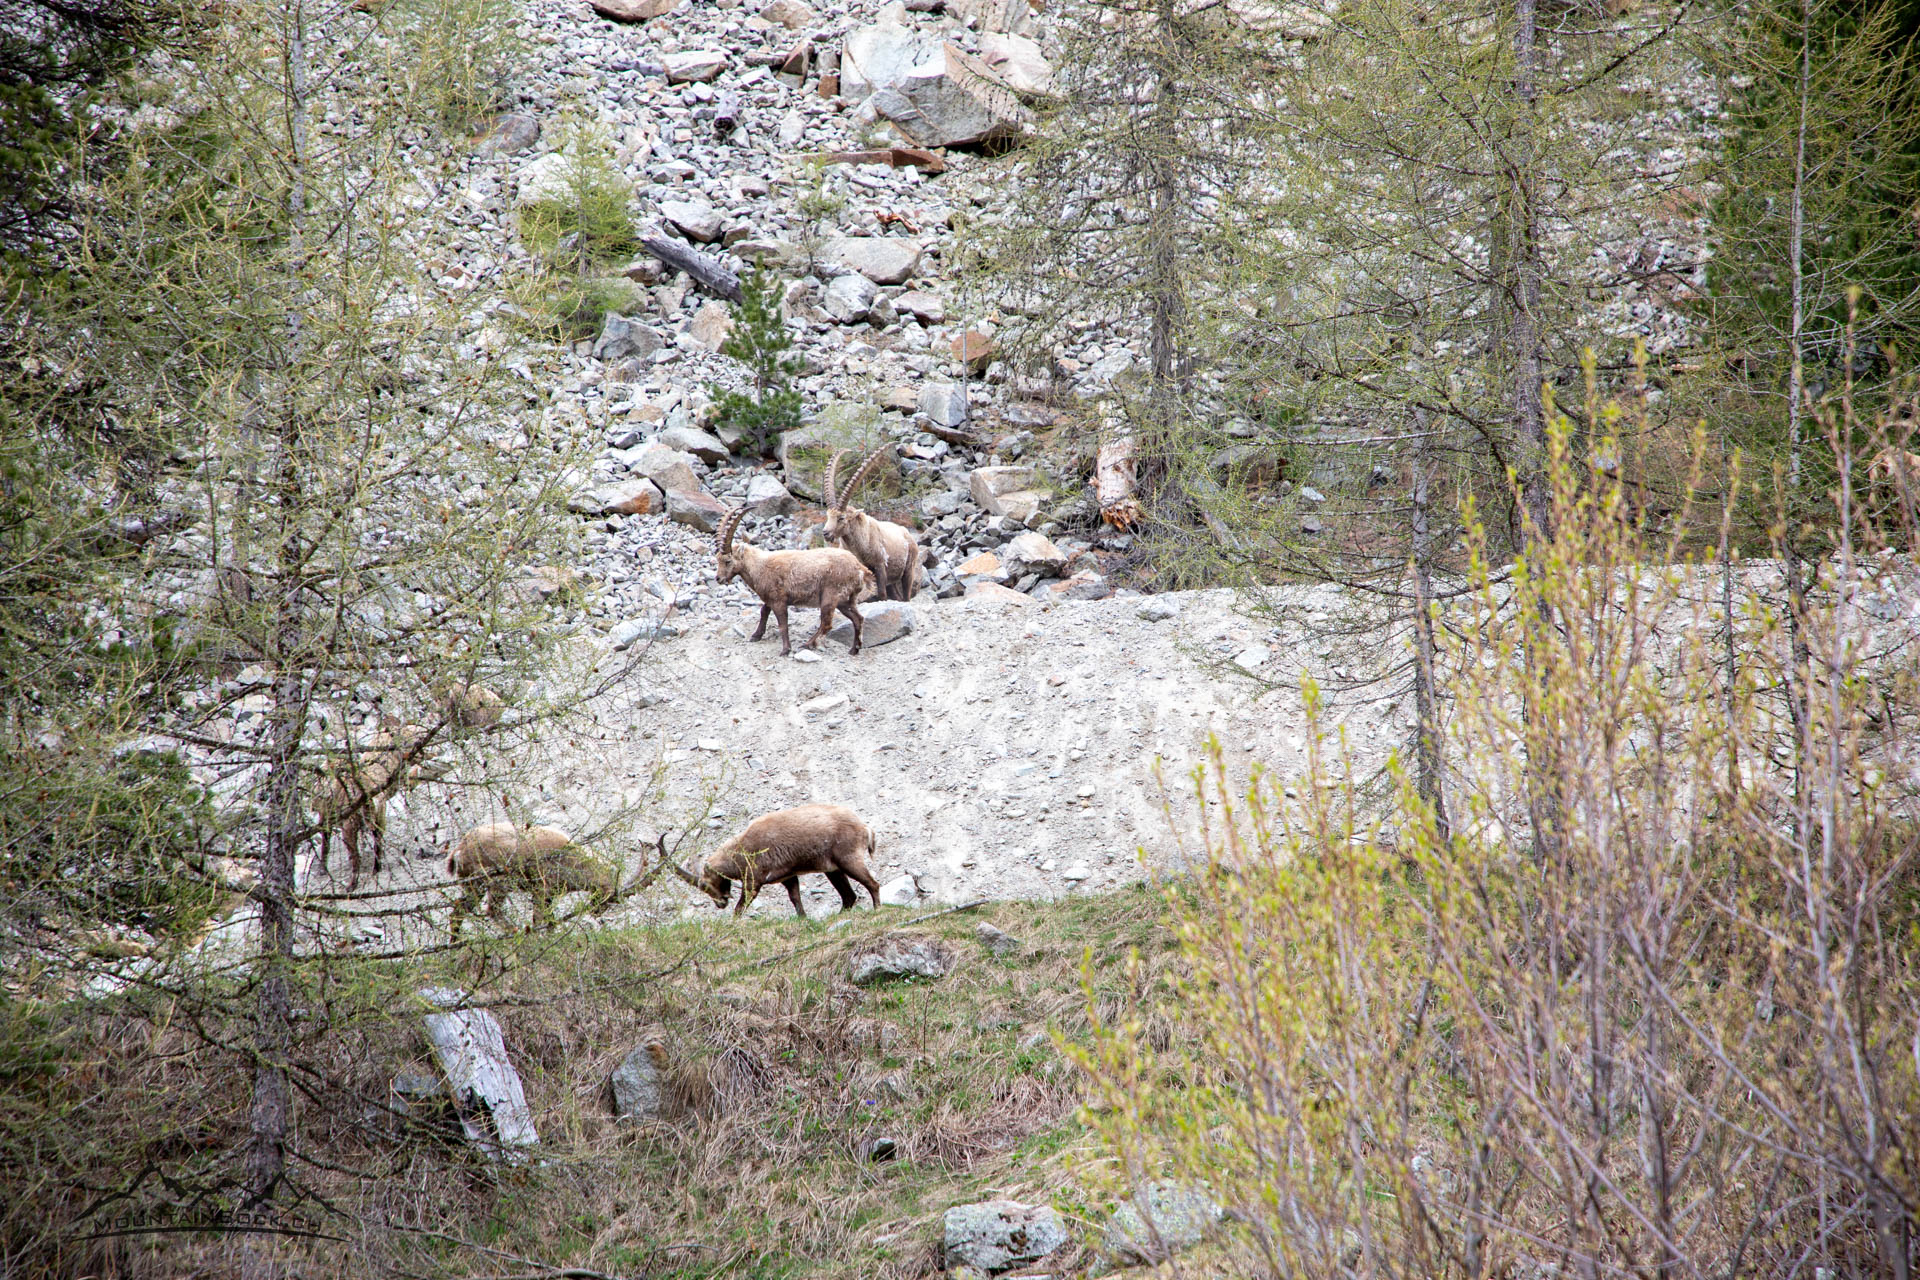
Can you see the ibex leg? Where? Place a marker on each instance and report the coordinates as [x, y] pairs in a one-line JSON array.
[[793, 895]]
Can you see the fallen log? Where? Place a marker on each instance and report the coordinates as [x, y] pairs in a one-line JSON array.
[[708, 273], [898, 157], [726, 113], [485, 1088]]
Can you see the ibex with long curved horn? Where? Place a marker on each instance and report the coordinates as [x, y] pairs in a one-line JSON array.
[[826, 578], [890, 550]]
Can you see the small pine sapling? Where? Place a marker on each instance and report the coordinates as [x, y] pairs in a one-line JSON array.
[[759, 340]]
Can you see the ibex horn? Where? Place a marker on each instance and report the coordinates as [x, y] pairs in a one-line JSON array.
[[727, 526], [867, 465], [671, 862], [833, 474]]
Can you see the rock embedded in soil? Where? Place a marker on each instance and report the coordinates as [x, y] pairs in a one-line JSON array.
[[901, 891], [695, 508], [997, 1234], [1162, 1219], [636, 1085], [900, 956], [624, 497], [881, 622], [997, 941], [1034, 553], [622, 337]]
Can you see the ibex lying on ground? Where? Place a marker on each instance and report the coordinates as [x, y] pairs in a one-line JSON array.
[[889, 550], [500, 857], [356, 792], [779, 848], [826, 578]]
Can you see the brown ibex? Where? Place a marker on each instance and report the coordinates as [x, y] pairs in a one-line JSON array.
[[826, 578], [354, 801], [779, 848], [500, 857], [890, 550]]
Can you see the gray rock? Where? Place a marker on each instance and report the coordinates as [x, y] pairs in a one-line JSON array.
[[621, 337], [997, 1234], [924, 307], [766, 496], [1033, 553], [1159, 609], [997, 941], [900, 956], [1310, 494], [694, 65], [1007, 491], [901, 891], [623, 497], [791, 14], [880, 623], [1162, 1219], [944, 402], [710, 325], [849, 298], [513, 132], [548, 178], [880, 55], [693, 440], [944, 503], [881, 259], [624, 437], [695, 507], [636, 1086], [1018, 62], [696, 219], [667, 467], [953, 100]]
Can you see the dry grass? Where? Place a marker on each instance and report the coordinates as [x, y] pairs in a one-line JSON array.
[[783, 1076]]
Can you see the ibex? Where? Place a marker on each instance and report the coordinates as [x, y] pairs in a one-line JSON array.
[[357, 789], [500, 857], [889, 550], [779, 848], [826, 578]]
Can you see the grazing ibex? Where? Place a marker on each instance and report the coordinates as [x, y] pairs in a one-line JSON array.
[[825, 578], [355, 798], [890, 550], [779, 848], [500, 857]]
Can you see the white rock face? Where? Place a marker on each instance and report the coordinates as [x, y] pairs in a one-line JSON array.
[[1018, 62]]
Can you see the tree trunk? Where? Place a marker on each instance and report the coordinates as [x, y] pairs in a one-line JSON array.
[[1430, 763], [270, 1119], [1525, 261], [1790, 550], [1165, 297]]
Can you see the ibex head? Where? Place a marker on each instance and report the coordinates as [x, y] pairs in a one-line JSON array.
[[728, 567], [837, 499]]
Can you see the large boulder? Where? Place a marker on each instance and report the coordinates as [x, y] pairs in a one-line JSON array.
[[994, 489], [900, 955], [1018, 62], [702, 445], [697, 508], [880, 54], [997, 1234], [1162, 1219], [633, 497], [944, 402], [953, 100], [849, 298], [766, 496], [666, 466], [1034, 553], [621, 337], [695, 219], [881, 259]]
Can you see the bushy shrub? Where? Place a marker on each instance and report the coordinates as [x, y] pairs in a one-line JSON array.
[[1647, 1007]]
